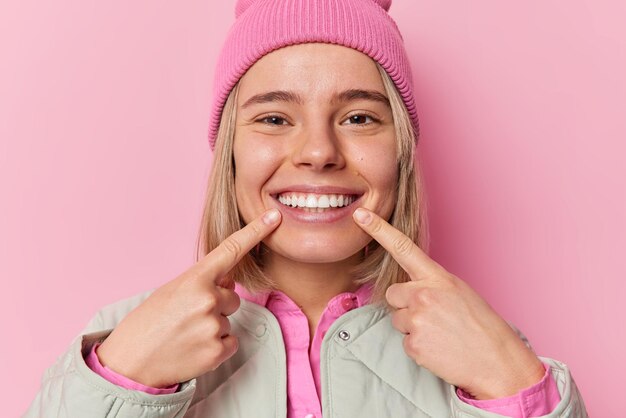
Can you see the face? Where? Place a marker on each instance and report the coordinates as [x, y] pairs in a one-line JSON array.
[[314, 138]]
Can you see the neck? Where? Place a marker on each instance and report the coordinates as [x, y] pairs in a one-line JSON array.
[[311, 285]]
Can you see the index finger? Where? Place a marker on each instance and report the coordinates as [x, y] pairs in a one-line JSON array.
[[410, 257], [226, 255]]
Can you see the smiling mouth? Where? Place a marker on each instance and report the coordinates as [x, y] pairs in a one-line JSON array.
[[317, 203]]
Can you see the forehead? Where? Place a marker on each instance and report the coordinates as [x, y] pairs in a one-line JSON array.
[[313, 70]]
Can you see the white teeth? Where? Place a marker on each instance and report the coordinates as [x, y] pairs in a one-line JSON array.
[[316, 203], [311, 202]]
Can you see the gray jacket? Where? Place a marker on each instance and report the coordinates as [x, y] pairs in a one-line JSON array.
[[364, 373]]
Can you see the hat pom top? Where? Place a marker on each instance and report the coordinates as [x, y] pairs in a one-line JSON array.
[[242, 5]]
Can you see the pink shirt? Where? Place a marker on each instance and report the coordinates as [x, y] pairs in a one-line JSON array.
[[303, 366]]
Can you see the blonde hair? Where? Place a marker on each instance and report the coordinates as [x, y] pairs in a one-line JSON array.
[[221, 217]]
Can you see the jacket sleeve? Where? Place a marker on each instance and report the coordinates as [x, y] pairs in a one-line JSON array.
[[70, 389], [570, 406]]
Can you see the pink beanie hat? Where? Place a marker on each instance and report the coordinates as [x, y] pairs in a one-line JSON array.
[[262, 26]]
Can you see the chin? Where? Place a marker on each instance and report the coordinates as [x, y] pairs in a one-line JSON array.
[[311, 249]]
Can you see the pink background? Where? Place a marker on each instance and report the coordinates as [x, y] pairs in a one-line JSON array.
[[104, 111]]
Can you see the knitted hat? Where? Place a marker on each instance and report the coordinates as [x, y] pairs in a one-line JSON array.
[[262, 26]]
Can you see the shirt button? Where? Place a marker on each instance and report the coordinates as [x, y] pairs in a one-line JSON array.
[[348, 304], [309, 416]]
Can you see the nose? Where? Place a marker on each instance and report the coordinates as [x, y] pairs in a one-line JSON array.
[[318, 148]]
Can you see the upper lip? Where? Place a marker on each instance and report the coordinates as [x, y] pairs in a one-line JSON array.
[[316, 189]]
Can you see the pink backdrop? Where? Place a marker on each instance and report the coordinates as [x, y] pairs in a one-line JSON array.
[[103, 160]]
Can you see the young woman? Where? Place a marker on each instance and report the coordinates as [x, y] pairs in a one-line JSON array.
[[313, 296]]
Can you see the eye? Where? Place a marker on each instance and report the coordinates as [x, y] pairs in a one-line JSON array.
[[272, 120], [361, 119]]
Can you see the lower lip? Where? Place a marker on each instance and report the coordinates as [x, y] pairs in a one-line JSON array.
[[328, 216]]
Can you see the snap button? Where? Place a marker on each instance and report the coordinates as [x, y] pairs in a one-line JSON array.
[[344, 335], [348, 304], [260, 330]]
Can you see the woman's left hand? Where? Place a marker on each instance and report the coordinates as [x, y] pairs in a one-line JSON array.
[[450, 329]]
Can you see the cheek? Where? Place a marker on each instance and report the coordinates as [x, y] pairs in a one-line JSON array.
[[387, 183], [255, 162], [385, 174], [381, 168]]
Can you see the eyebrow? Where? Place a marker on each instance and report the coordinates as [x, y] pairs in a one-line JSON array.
[[291, 97]]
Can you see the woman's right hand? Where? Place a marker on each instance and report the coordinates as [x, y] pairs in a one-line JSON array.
[[181, 330]]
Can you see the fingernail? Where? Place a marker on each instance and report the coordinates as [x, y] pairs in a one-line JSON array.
[[271, 217], [362, 216]]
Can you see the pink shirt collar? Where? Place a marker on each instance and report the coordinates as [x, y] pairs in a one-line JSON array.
[[338, 305]]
